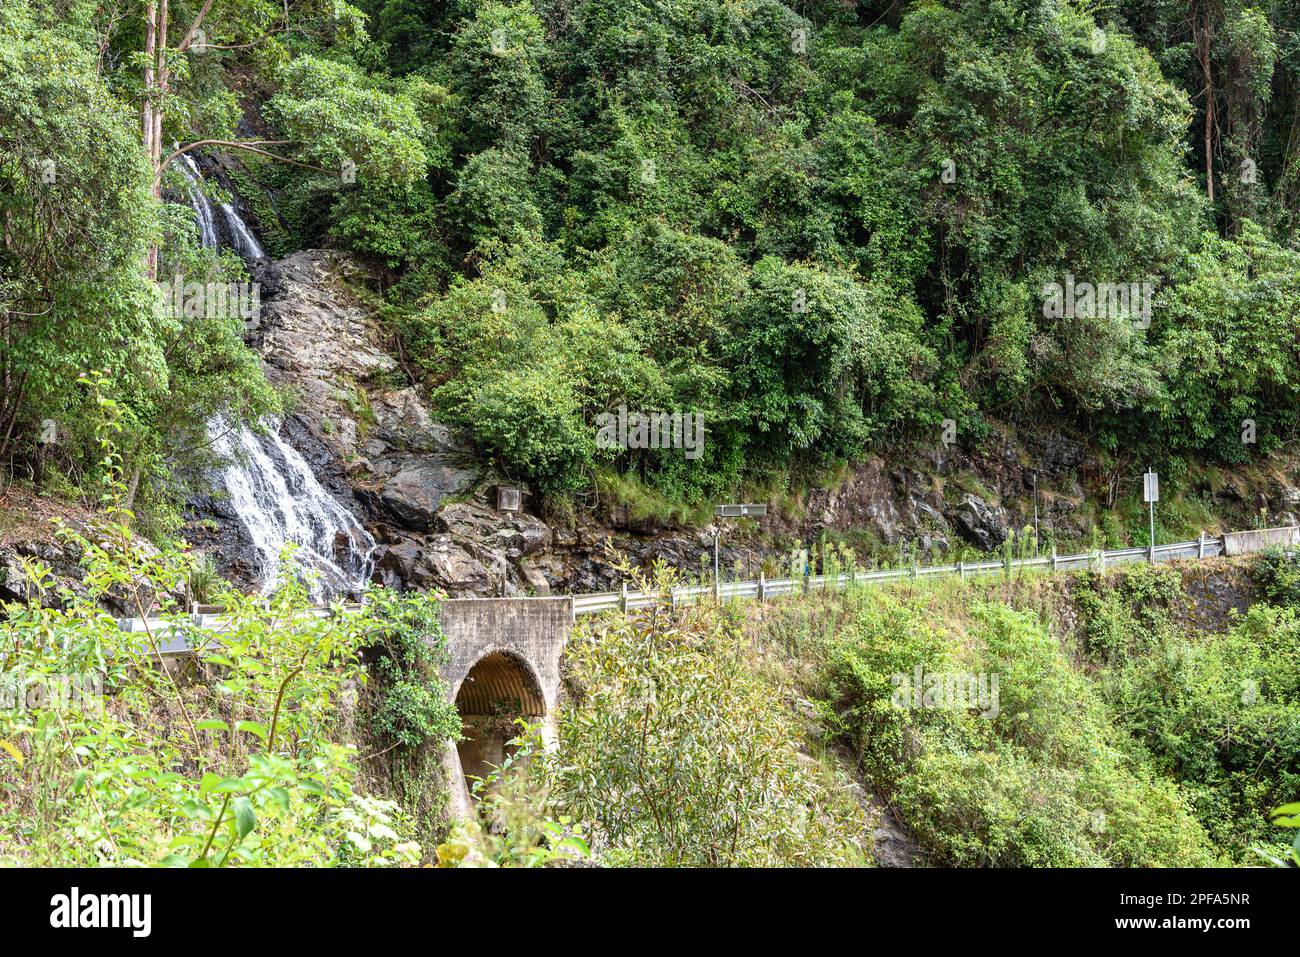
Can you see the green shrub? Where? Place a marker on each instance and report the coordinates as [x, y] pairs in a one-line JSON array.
[[249, 768], [1125, 612], [1276, 573], [409, 647], [1042, 778], [675, 752], [1220, 714]]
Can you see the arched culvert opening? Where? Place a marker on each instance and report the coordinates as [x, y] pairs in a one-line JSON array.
[[499, 689]]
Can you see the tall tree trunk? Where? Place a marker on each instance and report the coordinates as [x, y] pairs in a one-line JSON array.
[[147, 123], [1209, 105], [150, 52], [157, 79], [164, 9]]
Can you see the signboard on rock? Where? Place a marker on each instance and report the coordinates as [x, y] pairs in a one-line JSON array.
[[507, 498]]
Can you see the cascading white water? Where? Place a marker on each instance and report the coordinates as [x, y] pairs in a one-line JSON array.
[[202, 207], [270, 486], [280, 502], [241, 237]]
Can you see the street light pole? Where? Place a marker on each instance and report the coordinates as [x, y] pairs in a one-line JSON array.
[[728, 511], [1035, 513], [717, 535]]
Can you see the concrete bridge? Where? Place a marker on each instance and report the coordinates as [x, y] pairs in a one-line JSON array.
[[504, 663]]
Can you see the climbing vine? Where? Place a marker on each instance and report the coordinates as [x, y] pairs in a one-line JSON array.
[[409, 714]]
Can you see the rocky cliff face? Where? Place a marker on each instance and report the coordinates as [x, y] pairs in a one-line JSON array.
[[373, 442], [948, 495], [30, 536]]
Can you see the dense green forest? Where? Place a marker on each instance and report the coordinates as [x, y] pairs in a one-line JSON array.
[[827, 227], [833, 230]]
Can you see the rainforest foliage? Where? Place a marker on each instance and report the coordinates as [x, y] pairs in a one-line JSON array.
[[1141, 739], [245, 753], [827, 227]]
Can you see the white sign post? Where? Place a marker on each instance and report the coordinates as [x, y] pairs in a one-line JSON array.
[[1151, 495]]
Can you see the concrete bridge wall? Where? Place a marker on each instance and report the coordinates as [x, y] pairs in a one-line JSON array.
[[1243, 543], [530, 630], [500, 650]]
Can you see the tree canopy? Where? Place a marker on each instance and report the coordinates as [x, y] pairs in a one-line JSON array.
[[825, 228]]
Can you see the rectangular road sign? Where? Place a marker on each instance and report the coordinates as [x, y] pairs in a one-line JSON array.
[[1150, 487], [736, 511]]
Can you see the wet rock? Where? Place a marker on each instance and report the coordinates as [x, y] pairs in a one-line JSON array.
[[401, 559], [981, 524]]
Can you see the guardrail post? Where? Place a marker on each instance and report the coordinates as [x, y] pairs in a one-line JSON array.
[[1101, 559], [1200, 544], [961, 571], [1006, 563], [762, 587], [916, 570], [1053, 558], [622, 599]]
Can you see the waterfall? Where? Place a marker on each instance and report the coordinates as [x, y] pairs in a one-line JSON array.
[[241, 237], [270, 486], [202, 207], [279, 501]]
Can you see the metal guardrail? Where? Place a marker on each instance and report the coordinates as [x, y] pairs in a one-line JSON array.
[[763, 588], [173, 635]]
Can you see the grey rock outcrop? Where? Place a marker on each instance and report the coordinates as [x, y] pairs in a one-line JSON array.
[[416, 492], [983, 525], [323, 345]]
